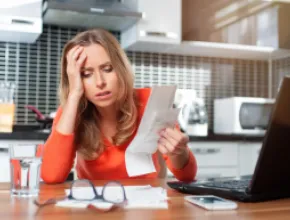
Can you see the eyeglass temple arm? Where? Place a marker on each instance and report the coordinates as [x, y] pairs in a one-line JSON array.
[[48, 201]]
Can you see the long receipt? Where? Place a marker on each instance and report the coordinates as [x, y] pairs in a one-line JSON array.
[[158, 114]]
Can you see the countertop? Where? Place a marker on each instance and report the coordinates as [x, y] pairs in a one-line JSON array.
[[177, 208], [34, 132], [216, 138], [26, 132]]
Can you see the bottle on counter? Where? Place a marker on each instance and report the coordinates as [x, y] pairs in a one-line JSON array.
[[7, 106]]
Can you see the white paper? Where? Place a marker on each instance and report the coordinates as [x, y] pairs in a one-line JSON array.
[[162, 119], [158, 114], [138, 197], [139, 163], [161, 99]]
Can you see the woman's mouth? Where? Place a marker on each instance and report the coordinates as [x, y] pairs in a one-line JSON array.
[[103, 95]]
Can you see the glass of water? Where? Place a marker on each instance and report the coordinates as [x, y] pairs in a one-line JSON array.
[[25, 166]]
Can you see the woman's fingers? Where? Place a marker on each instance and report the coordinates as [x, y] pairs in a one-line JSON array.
[[162, 149], [71, 52], [166, 144], [76, 54], [81, 60], [172, 141]]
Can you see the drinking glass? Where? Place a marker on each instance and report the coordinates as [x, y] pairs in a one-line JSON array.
[[25, 163]]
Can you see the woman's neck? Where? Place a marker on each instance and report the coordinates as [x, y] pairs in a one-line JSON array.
[[108, 122], [108, 114]]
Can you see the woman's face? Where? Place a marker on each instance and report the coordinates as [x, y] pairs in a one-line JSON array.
[[99, 78]]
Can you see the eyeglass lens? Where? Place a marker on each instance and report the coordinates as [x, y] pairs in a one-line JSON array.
[[114, 192], [82, 190]]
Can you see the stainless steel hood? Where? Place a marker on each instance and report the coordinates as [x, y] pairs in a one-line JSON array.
[[109, 14]]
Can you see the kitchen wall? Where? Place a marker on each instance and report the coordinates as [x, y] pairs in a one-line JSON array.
[[280, 68], [35, 69]]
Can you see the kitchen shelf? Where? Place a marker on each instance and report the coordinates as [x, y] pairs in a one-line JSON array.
[[225, 50]]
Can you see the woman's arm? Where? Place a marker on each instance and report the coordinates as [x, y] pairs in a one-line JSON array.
[[59, 150], [179, 159], [185, 173]]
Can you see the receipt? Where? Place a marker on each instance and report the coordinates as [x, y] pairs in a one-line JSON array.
[[158, 114], [160, 120]]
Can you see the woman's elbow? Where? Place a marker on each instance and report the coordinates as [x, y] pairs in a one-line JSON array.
[[52, 177], [189, 176], [191, 172]]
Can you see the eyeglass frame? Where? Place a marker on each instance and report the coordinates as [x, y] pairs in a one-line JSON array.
[[97, 195]]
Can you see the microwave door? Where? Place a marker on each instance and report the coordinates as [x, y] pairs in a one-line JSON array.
[[255, 115]]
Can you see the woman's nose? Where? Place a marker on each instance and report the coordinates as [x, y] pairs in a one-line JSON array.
[[100, 80]]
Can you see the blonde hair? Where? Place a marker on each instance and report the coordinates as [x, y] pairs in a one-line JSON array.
[[88, 138]]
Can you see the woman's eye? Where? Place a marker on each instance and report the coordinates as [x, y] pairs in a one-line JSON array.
[[86, 74], [108, 69]]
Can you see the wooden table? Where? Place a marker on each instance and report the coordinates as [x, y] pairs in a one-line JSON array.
[[23, 208]]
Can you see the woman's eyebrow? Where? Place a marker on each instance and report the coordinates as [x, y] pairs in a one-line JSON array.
[[100, 66], [105, 64], [87, 68]]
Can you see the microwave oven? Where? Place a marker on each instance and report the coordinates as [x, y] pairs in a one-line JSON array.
[[242, 115]]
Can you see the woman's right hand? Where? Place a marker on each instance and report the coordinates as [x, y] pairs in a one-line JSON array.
[[75, 60]]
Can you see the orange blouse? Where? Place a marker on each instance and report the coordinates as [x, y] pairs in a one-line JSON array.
[[59, 154]]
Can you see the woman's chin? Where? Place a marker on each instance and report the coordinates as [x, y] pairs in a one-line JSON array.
[[104, 103]]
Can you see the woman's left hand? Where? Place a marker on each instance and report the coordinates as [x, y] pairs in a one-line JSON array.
[[172, 142]]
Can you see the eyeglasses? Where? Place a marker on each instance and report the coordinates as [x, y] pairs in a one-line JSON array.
[[84, 190]]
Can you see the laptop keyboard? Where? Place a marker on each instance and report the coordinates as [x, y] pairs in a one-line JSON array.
[[229, 184]]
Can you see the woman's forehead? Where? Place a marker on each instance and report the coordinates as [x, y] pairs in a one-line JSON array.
[[96, 55]]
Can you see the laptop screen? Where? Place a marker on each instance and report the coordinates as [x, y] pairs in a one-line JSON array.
[[272, 172]]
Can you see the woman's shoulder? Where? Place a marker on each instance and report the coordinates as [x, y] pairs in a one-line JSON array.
[[57, 114], [143, 94]]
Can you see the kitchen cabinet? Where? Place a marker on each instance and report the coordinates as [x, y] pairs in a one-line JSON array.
[[159, 28], [20, 21], [248, 156], [257, 23], [215, 159], [4, 165], [209, 172], [224, 159], [204, 28], [215, 154]]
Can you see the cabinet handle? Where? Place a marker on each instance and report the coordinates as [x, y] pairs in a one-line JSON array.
[[4, 150], [158, 34], [21, 21], [206, 150]]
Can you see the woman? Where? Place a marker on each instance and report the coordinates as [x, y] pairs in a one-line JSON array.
[[99, 114]]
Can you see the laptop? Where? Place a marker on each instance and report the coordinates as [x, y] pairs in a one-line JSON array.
[[271, 177]]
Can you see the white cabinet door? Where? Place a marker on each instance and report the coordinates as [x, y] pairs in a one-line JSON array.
[[214, 159], [4, 165], [162, 20], [248, 156], [208, 173], [159, 27], [215, 154], [6, 143]]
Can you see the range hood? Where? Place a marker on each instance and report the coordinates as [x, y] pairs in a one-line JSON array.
[[20, 21], [109, 14]]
